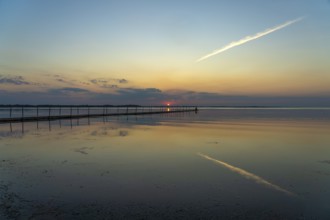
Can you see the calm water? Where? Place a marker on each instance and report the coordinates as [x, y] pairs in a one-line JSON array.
[[217, 164]]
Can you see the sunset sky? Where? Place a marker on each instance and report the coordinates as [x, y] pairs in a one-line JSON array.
[[145, 52]]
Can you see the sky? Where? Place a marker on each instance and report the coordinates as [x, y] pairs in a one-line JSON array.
[[145, 52]]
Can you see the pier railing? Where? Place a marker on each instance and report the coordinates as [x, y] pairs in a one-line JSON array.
[[18, 113]]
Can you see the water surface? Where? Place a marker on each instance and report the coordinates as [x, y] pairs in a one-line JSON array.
[[219, 163]]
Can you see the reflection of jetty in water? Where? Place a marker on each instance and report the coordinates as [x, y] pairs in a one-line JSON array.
[[19, 113], [128, 115]]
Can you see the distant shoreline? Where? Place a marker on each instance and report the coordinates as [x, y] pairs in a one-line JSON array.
[[199, 106]]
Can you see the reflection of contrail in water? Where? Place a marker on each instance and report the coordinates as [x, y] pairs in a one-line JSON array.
[[248, 38], [247, 174]]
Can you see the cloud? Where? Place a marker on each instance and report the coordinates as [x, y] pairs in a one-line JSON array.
[[103, 83], [14, 80], [144, 96], [68, 90], [155, 96], [18, 81], [110, 86], [247, 39], [108, 83], [122, 80], [98, 81], [63, 79], [140, 91]]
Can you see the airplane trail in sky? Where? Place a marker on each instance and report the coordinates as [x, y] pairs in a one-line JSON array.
[[247, 175], [248, 38]]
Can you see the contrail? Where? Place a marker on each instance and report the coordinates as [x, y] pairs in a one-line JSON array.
[[247, 175], [249, 38]]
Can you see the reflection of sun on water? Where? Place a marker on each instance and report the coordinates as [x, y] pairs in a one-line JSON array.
[[168, 109]]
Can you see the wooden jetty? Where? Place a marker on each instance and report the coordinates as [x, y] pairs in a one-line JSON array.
[[25, 113]]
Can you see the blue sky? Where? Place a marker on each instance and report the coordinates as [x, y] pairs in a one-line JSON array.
[[152, 45]]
